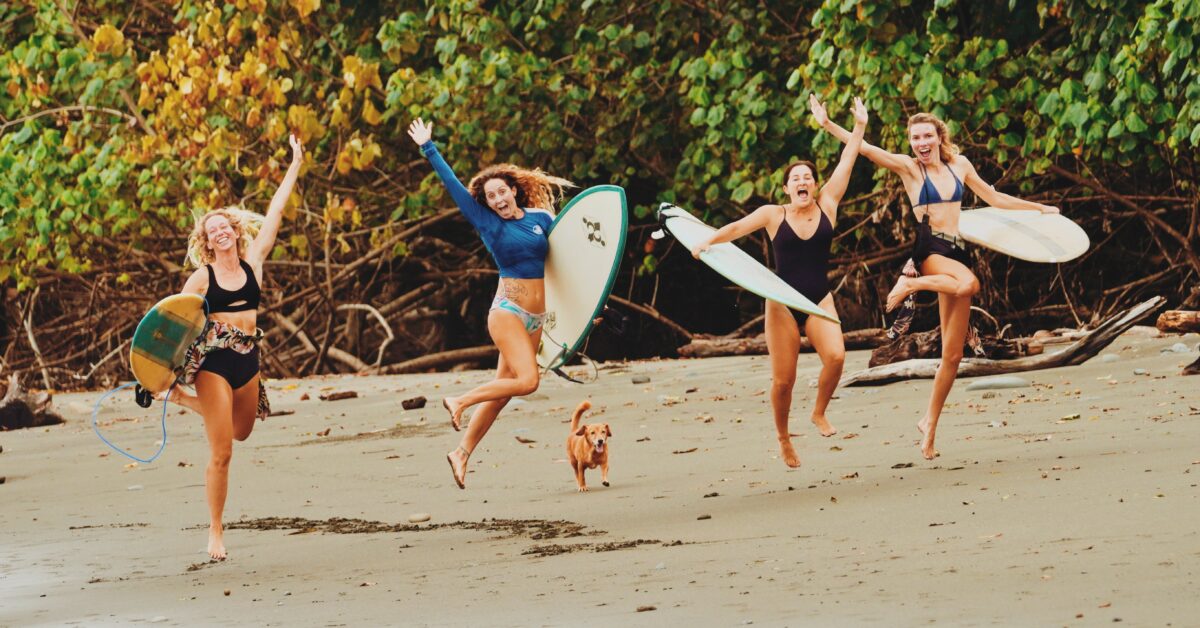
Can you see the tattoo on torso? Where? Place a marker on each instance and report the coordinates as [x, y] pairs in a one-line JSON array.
[[514, 290]]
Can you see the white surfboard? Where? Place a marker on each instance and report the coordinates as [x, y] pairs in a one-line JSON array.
[[735, 264], [587, 241], [1024, 234]]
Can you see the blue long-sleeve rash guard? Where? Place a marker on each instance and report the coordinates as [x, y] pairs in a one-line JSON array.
[[518, 245]]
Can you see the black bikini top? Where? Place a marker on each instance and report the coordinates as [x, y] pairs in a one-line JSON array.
[[240, 300]]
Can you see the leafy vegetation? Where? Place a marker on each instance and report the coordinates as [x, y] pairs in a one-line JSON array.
[[119, 121]]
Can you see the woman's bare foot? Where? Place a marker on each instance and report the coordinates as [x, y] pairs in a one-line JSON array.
[[789, 454], [927, 436], [899, 292], [216, 545], [458, 465], [823, 424], [455, 410]]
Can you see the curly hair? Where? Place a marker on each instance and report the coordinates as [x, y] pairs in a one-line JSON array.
[[245, 224], [533, 188], [947, 149]]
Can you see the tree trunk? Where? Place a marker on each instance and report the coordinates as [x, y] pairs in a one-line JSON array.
[[19, 409], [1077, 353], [1179, 321]]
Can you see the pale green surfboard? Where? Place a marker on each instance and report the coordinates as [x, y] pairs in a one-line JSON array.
[[587, 241], [735, 264], [1024, 234]]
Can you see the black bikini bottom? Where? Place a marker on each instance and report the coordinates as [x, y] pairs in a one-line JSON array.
[[236, 368], [930, 242]]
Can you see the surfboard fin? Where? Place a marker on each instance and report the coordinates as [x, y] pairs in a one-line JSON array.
[[143, 397]]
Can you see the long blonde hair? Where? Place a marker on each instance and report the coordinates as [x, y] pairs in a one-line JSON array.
[[946, 148], [533, 188], [245, 224]]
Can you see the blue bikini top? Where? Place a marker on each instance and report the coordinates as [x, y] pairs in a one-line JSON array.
[[929, 193]]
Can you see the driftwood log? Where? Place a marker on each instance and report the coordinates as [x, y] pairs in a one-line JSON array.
[[1193, 368], [19, 409], [718, 346], [928, 344], [1077, 353], [1179, 321]]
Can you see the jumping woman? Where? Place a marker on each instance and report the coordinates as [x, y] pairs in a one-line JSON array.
[[512, 209], [801, 233], [934, 179], [223, 362]]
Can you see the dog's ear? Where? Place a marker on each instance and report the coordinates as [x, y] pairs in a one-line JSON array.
[[582, 429], [607, 430]]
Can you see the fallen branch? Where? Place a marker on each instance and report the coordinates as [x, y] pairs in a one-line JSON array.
[[436, 360], [1077, 353], [725, 345], [652, 313]]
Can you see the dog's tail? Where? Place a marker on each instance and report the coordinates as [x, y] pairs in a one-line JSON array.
[[579, 410]]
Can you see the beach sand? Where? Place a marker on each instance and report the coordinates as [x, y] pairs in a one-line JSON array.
[[1073, 501]]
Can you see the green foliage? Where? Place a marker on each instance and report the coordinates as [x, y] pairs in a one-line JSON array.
[[116, 136]]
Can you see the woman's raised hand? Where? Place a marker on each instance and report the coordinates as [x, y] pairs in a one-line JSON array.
[[818, 110], [420, 132], [860, 113], [297, 149]]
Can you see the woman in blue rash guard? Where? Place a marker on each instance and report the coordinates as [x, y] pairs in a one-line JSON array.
[[511, 209]]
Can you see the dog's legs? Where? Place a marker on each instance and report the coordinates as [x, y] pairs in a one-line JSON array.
[[580, 482], [604, 472]]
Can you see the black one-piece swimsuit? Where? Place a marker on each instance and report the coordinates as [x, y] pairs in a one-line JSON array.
[[804, 263]]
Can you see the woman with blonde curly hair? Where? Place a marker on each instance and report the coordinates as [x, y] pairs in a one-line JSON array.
[[934, 178], [229, 246], [512, 209]]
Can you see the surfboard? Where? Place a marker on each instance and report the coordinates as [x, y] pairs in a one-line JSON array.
[[587, 241], [735, 264], [162, 338], [1024, 234]]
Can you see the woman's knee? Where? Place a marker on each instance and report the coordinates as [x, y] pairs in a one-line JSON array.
[[783, 383], [527, 384], [952, 355], [967, 288], [221, 456], [834, 359]]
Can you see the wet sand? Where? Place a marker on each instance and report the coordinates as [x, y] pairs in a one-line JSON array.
[[1073, 501]]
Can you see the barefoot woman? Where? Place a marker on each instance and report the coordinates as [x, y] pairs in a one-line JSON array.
[[801, 234], [223, 363], [511, 209], [934, 180]]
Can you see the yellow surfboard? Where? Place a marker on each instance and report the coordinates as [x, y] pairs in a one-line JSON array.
[[161, 340]]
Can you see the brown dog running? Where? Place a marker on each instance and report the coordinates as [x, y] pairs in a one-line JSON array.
[[587, 446]]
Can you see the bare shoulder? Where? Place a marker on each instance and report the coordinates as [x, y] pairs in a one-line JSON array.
[[962, 164], [197, 282]]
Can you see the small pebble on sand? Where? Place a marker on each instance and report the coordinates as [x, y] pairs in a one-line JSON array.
[[420, 517]]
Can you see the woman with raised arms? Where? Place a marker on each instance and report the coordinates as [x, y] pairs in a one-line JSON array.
[[512, 209], [801, 233], [934, 177]]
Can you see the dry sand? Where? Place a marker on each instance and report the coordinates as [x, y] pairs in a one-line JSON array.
[[1029, 517]]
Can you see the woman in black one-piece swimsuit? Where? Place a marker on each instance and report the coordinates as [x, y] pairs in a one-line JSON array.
[[801, 234]]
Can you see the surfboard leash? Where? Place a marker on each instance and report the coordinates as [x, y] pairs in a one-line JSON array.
[[140, 391], [144, 398]]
